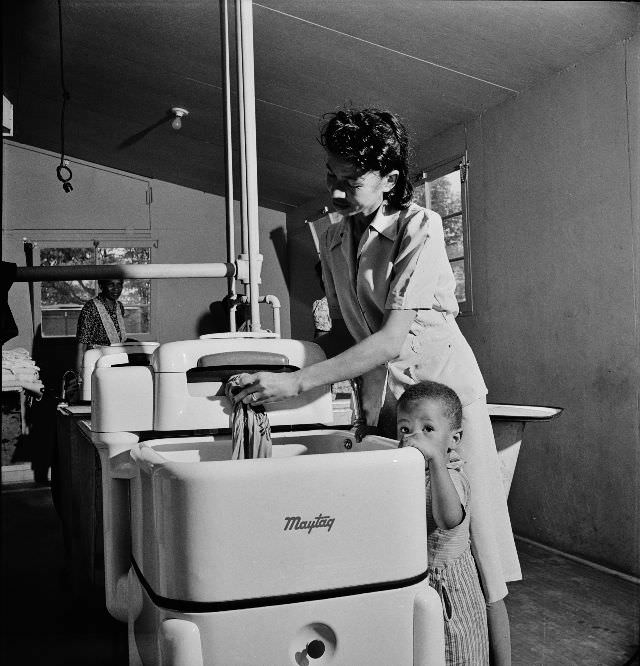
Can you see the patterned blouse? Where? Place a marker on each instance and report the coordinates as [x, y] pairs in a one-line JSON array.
[[90, 329]]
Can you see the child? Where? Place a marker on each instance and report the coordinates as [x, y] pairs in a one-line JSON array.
[[429, 418]]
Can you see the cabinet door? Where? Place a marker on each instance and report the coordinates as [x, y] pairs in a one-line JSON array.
[[101, 199]]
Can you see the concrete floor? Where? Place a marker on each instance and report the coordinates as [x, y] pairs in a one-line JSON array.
[[562, 614]]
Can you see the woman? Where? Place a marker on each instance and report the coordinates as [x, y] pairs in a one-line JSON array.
[[101, 321], [391, 294]]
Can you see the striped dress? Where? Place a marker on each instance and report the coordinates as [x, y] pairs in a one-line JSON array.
[[453, 574]]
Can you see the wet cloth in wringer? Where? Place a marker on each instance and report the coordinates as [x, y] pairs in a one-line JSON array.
[[250, 429]]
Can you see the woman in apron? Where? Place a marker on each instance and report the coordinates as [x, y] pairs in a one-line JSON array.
[[391, 295], [101, 320]]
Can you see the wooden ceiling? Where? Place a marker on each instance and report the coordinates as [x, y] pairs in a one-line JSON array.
[[127, 62]]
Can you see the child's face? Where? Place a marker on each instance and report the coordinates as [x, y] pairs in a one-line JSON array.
[[428, 420]]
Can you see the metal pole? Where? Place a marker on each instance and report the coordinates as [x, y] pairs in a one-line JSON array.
[[244, 224], [123, 272], [228, 153], [251, 162], [241, 112]]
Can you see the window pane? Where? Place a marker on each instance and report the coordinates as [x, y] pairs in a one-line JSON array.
[[444, 194], [419, 195], [61, 300], [124, 255], [60, 292], [136, 319], [60, 321], [454, 237], [458, 272]]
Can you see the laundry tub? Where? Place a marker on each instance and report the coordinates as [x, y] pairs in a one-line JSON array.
[[317, 555]]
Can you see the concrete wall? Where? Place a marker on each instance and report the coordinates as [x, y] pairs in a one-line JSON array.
[[186, 225], [555, 264]]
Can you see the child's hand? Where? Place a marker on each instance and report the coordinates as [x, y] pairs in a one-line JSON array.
[[429, 448]]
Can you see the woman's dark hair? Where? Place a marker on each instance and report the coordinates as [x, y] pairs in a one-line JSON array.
[[428, 390], [373, 140]]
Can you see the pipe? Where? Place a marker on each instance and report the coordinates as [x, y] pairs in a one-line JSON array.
[[244, 237], [271, 300], [274, 302], [251, 162], [228, 152], [241, 112], [123, 272]]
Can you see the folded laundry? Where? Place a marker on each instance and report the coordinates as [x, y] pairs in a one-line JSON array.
[[28, 370], [18, 360], [34, 386], [37, 388], [19, 369], [26, 376], [19, 364], [17, 353]]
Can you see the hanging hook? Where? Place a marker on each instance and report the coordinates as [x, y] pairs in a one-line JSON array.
[[64, 179], [64, 164]]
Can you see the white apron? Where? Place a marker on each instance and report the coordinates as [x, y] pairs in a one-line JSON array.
[[107, 322]]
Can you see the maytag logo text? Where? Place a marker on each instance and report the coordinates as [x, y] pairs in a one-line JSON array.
[[296, 523]]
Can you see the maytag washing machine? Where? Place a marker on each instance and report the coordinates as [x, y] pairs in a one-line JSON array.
[[317, 555]]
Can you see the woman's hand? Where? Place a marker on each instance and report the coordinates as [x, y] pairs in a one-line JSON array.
[[261, 387]]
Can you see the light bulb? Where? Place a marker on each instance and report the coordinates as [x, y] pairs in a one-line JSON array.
[[179, 114]]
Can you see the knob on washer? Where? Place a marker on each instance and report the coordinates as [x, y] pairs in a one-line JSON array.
[[315, 649]]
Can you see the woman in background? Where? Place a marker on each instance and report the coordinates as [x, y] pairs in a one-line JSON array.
[[391, 295], [101, 321]]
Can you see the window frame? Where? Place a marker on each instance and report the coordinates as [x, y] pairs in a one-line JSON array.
[[103, 242], [460, 163]]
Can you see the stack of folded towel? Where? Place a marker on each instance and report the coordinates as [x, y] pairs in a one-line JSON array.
[[19, 369]]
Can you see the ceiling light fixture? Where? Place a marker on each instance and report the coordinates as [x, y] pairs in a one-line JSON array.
[[179, 114]]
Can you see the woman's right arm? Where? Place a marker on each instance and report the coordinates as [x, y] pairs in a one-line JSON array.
[[81, 337]]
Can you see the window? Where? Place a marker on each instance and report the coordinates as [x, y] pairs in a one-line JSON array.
[[443, 189], [61, 301]]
